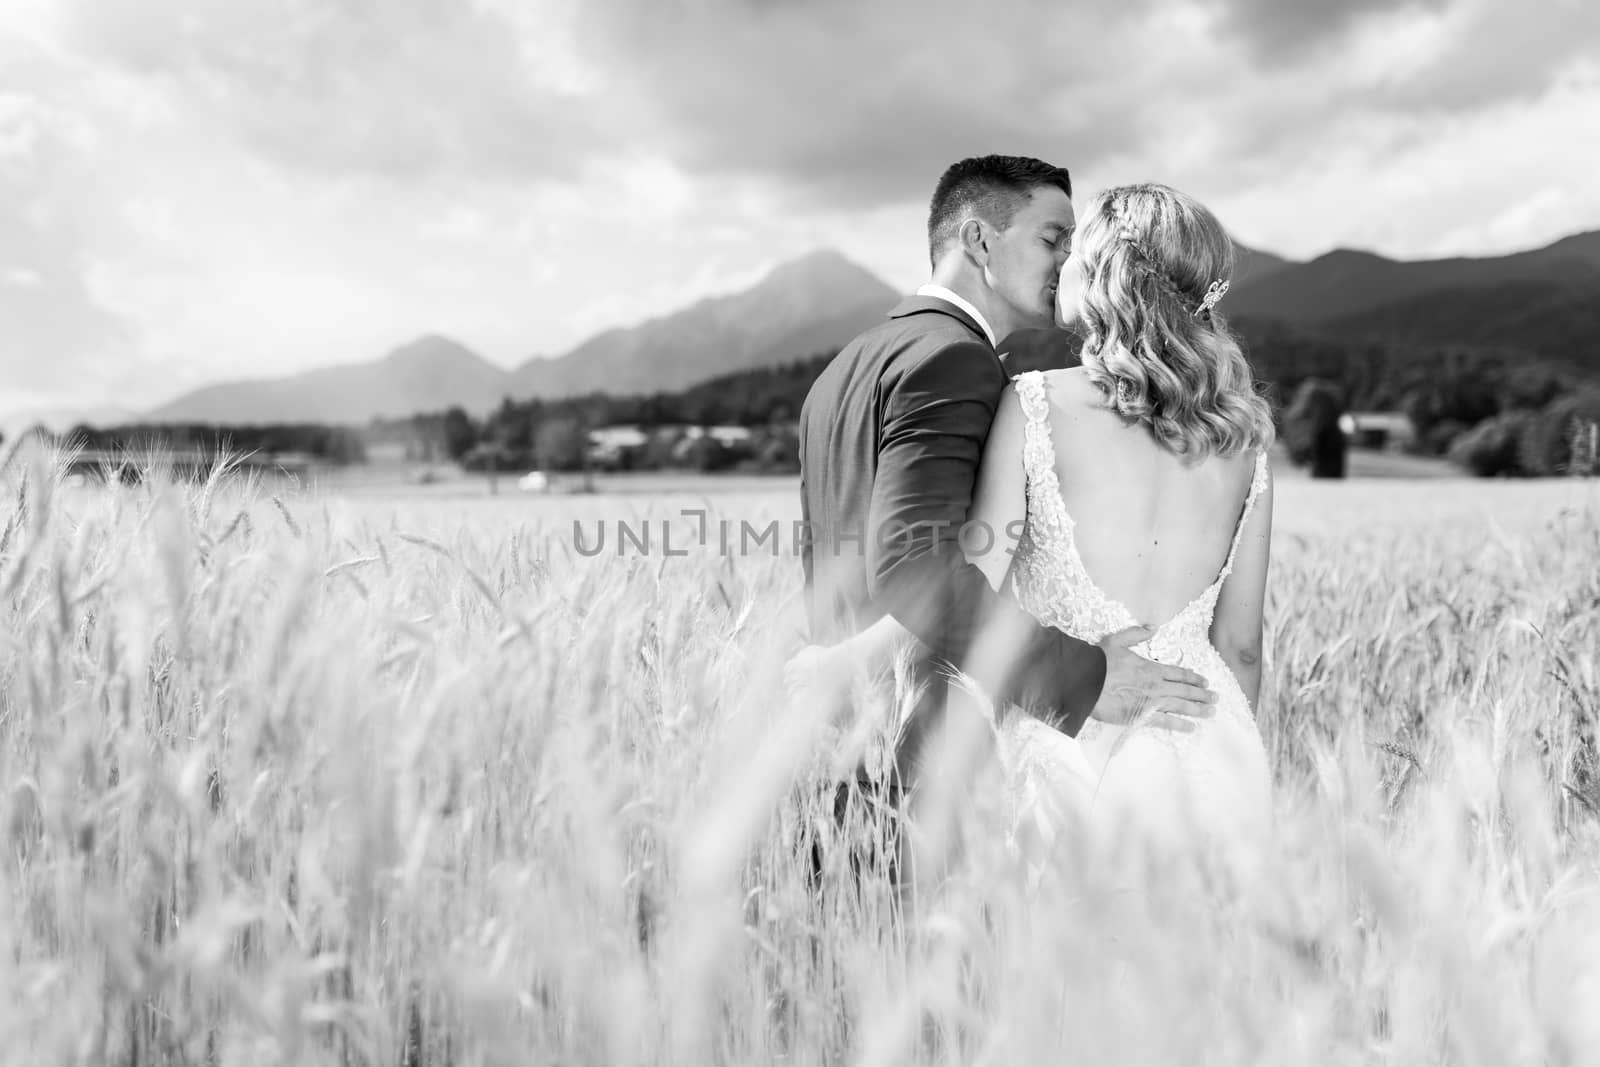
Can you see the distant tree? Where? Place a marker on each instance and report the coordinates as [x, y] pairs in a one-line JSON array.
[[459, 433], [512, 425], [1440, 436], [707, 454], [344, 447], [1311, 429], [492, 458], [1531, 387], [779, 453], [1554, 441], [1490, 449], [561, 443], [659, 449]]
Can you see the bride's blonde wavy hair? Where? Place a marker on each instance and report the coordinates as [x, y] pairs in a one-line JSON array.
[[1154, 348]]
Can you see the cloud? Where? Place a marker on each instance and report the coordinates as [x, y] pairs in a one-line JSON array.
[[55, 329], [406, 88], [1284, 31], [823, 103], [1502, 179], [1492, 53], [51, 325], [862, 104], [865, 103]]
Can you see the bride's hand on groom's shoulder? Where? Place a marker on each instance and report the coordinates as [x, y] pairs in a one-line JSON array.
[[1140, 689]]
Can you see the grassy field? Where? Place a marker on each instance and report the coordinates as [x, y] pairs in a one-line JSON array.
[[408, 778]]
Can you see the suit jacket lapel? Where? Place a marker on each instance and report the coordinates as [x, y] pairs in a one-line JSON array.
[[922, 305]]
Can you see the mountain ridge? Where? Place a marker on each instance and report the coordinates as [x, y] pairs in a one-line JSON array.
[[821, 299], [393, 385], [813, 302], [1346, 282]]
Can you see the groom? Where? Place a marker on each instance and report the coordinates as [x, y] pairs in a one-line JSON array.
[[890, 438]]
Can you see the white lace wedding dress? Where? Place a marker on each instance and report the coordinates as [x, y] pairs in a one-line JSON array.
[[1207, 790]]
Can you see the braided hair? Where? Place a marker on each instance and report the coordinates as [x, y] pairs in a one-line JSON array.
[[1147, 265]]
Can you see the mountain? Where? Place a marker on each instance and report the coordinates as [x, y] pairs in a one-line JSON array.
[[1253, 265], [1346, 283], [1540, 305], [429, 374], [1559, 322], [809, 305]]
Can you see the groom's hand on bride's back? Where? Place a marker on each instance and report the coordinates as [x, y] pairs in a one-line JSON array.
[[1137, 688]]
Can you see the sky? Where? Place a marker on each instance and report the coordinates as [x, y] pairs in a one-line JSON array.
[[202, 190]]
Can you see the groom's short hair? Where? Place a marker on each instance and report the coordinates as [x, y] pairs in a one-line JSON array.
[[992, 187]]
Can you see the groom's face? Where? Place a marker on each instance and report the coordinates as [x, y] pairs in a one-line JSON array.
[[1025, 258]]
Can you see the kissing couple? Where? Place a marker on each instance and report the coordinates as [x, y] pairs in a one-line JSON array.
[[1113, 648]]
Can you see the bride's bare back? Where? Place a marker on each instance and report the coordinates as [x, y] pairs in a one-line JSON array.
[[1153, 528]]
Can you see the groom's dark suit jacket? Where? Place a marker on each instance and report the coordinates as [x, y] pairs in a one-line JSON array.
[[890, 438]]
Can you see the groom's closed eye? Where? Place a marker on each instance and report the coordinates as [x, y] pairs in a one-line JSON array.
[[1058, 239]]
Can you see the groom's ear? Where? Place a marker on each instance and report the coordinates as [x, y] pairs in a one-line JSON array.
[[974, 236]]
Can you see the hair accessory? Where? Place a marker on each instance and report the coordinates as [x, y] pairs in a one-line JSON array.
[[1216, 292], [1125, 392]]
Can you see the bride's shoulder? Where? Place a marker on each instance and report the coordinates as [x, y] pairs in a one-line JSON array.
[[1252, 469], [1067, 390], [1070, 388], [1074, 378], [1058, 382]]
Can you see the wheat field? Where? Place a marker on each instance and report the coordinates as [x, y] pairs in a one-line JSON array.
[[299, 779]]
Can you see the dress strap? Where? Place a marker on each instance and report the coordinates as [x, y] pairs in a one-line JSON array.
[[1038, 450], [1258, 482], [1030, 389]]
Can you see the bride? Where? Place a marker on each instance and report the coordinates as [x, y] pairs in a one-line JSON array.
[[1139, 482]]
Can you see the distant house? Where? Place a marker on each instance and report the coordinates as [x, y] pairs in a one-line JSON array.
[[617, 437], [729, 435], [712, 447], [723, 435], [611, 446], [1378, 429], [619, 445]]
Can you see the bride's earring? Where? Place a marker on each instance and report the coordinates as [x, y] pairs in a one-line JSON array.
[[1125, 395]]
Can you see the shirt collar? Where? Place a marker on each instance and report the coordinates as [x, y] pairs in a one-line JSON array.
[[941, 293]]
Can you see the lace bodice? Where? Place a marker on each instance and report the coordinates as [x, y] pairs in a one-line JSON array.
[[1051, 581]]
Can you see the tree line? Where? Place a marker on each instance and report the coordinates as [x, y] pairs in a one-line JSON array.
[[327, 443], [1493, 411], [1490, 410]]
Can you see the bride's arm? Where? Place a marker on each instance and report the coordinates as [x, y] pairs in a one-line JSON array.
[[1236, 626]]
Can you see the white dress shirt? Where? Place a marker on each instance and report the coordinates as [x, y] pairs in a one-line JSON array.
[[942, 293]]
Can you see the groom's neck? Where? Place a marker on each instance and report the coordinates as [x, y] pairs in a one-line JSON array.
[[964, 280]]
